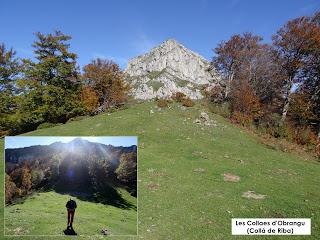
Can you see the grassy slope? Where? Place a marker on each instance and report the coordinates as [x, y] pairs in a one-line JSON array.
[[177, 203], [44, 214]]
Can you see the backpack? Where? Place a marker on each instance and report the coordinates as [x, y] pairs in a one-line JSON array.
[[71, 204]]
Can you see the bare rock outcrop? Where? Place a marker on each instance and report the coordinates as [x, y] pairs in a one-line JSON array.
[[167, 69]]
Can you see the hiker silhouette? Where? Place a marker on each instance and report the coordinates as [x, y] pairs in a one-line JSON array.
[[71, 208]]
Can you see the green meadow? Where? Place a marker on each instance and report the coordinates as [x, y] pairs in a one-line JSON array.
[[44, 214], [181, 189]]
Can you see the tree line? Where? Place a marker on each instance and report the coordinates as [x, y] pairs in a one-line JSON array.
[[65, 171], [51, 88], [275, 86]]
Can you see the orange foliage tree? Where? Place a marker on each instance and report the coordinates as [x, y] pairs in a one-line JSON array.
[[245, 57], [90, 99], [292, 43], [107, 80], [244, 103]]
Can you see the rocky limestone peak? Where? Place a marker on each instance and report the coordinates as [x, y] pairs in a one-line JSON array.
[[167, 69]]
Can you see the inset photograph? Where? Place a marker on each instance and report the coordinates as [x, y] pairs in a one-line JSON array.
[[70, 186]]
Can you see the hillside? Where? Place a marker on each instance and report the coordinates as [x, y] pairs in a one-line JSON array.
[[182, 193]]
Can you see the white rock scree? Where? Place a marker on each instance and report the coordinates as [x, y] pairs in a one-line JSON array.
[[167, 69]]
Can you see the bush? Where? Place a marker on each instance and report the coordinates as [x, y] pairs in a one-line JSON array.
[[222, 109], [245, 100], [303, 135], [178, 96], [270, 124], [187, 102], [48, 125], [162, 103], [215, 94], [241, 118]]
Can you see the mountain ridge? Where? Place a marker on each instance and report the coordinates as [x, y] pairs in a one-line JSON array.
[[18, 155]]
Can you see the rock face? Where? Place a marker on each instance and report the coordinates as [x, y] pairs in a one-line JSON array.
[[167, 69]]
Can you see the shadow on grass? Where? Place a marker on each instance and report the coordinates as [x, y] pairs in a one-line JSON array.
[[69, 231], [108, 196]]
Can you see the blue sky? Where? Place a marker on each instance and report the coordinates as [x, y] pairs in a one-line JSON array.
[[18, 142], [122, 29]]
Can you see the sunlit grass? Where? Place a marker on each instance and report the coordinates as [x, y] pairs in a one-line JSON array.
[[45, 214]]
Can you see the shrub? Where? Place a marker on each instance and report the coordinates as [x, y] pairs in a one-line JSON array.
[[241, 118], [162, 103], [244, 100], [222, 109], [178, 96], [281, 131], [302, 135], [215, 94], [270, 124], [187, 102]]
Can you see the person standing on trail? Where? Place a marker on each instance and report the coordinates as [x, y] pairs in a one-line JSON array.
[[71, 208]]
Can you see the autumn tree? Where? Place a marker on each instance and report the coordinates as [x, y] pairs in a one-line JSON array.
[[292, 42], [90, 99], [127, 171], [11, 189], [311, 73], [244, 57], [248, 66], [227, 60], [37, 176], [107, 80], [244, 103], [26, 182], [15, 176]]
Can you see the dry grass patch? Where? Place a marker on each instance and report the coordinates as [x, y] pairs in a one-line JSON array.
[[253, 195], [199, 170], [229, 177]]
